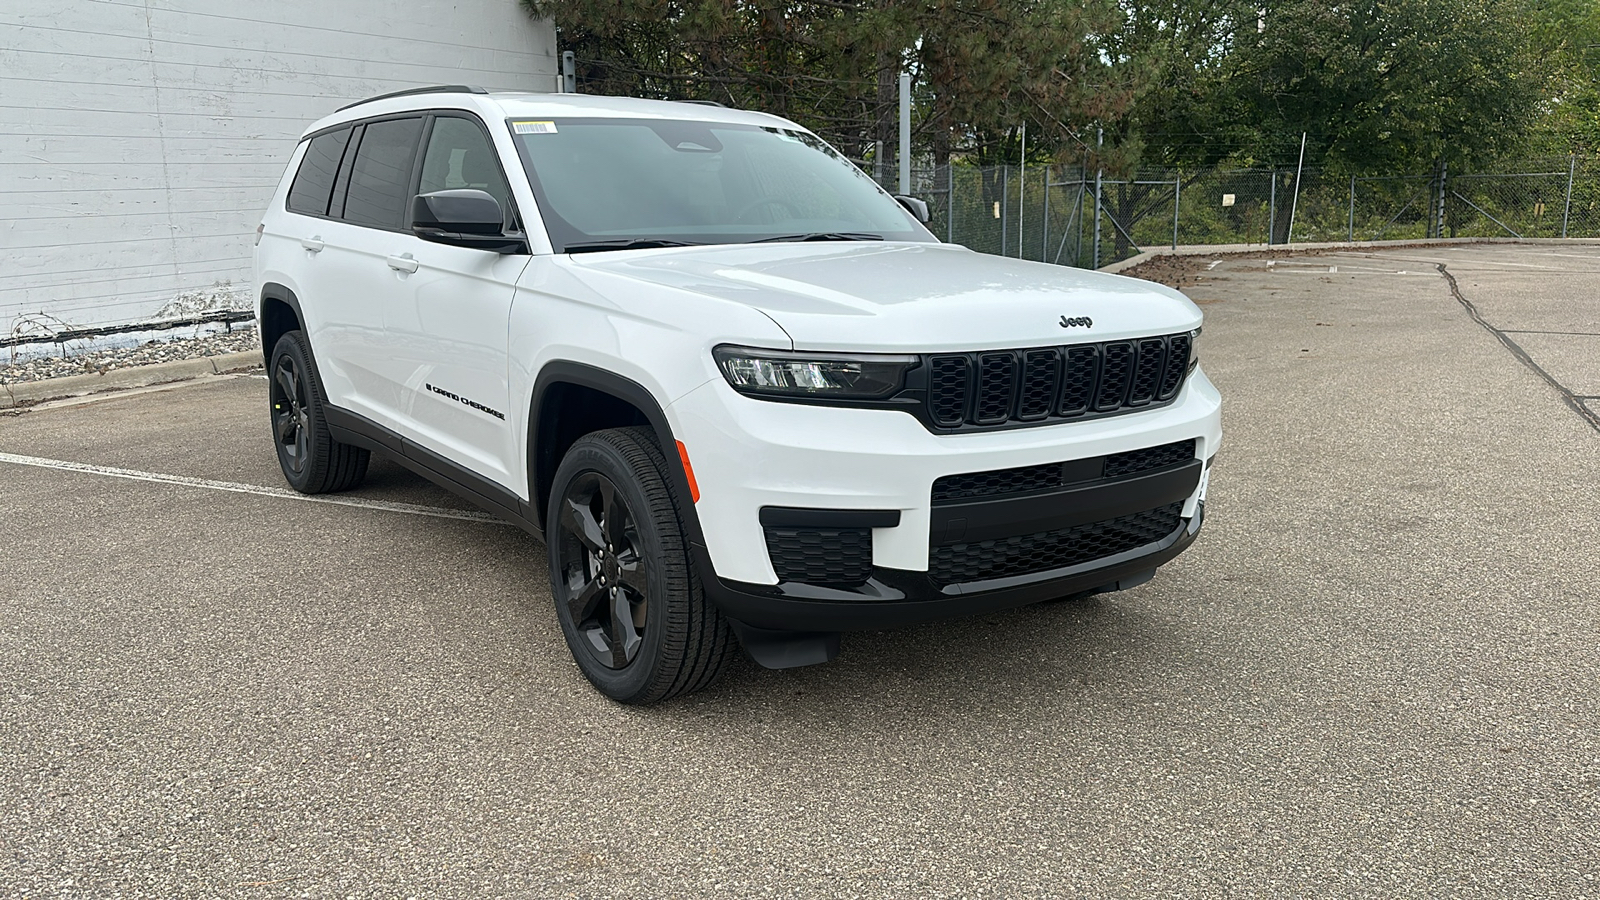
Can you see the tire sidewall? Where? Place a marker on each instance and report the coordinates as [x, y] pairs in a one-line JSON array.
[[637, 678]]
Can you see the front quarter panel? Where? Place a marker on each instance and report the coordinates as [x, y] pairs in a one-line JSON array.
[[660, 338]]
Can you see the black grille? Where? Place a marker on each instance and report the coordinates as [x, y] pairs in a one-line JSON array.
[[1134, 461], [997, 377], [1038, 384], [1051, 383], [947, 390], [1079, 382], [1042, 551], [1178, 346], [1147, 372], [999, 481], [1114, 372], [831, 557]]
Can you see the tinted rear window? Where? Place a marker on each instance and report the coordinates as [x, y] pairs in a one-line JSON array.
[[381, 179], [309, 192]]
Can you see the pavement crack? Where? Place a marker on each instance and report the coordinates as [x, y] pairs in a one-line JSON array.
[[1572, 400]]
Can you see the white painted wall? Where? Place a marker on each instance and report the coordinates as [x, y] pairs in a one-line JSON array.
[[141, 139]]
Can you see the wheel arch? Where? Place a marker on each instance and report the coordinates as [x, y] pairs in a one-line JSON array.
[[571, 399], [278, 314]]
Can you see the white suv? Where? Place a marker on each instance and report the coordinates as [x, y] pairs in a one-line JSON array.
[[740, 392]]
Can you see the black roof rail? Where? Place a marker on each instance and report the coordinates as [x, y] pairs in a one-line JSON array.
[[435, 89], [705, 103]]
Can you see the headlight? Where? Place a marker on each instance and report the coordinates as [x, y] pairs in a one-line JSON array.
[[821, 375], [1194, 351]]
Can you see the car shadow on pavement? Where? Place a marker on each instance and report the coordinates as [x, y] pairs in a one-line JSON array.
[[959, 670]]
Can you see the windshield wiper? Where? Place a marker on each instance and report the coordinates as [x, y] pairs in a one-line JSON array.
[[822, 236], [626, 244]]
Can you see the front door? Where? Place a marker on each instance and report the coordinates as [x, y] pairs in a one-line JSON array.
[[447, 332]]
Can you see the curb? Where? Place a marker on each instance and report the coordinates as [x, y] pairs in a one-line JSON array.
[[1228, 249], [30, 392]]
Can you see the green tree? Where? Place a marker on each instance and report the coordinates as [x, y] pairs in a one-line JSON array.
[[1385, 85], [1566, 34], [1180, 55], [1376, 85], [982, 67]]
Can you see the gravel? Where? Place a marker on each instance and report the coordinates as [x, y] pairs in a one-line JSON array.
[[18, 368]]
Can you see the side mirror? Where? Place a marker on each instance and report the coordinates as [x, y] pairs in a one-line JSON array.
[[918, 208], [463, 218]]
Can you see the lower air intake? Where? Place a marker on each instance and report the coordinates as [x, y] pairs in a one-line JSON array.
[[1042, 551], [828, 557]]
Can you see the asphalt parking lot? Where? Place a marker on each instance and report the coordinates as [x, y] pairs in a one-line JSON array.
[[1376, 674]]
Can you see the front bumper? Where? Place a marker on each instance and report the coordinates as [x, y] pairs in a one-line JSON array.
[[754, 455], [912, 598]]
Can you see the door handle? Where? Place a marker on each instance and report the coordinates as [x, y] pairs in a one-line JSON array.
[[314, 243], [402, 263]]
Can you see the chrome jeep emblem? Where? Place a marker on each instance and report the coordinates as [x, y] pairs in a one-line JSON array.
[[1079, 322]]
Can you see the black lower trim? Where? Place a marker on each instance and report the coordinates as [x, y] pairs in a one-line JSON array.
[[895, 598], [353, 428], [967, 521], [787, 649], [271, 325], [804, 517]]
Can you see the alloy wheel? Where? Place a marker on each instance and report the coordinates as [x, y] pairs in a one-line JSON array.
[[604, 570], [291, 424]]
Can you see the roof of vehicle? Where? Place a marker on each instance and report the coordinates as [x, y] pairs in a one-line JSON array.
[[527, 104]]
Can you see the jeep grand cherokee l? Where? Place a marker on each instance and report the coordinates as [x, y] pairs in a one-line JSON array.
[[740, 392]]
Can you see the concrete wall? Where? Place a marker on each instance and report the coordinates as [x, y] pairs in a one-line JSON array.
[[140, 139]]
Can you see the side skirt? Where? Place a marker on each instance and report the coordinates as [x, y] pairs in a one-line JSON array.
[[352, 428]]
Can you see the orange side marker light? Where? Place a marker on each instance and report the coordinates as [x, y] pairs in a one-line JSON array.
[[688, 472]]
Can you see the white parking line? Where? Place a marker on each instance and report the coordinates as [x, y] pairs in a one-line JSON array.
[[1478, 265], [1343, 270], [234, 487], [1587, 257], [124, 393]]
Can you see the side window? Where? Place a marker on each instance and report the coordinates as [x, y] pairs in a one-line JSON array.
[[341, 185], [380, 181], [460, 156], [309, 191]]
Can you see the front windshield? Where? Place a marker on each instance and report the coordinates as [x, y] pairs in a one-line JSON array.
[[603, 183]]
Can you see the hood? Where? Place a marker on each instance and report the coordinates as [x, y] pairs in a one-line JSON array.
[[870, 296]]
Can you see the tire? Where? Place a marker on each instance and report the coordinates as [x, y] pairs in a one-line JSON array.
[[629, 601], [312, 461]]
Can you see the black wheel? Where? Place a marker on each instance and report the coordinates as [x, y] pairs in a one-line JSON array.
[[629, 602], [312, 461]]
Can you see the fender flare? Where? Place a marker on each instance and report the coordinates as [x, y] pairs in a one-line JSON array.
[[274, 291], [637, 395]]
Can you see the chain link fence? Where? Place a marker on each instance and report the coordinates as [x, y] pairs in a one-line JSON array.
[[1076, 217]]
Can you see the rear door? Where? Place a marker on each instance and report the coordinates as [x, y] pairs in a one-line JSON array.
[[363, 268], [447, 332], [301, 247]]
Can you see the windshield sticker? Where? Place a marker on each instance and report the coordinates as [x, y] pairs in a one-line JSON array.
[[534, 127]]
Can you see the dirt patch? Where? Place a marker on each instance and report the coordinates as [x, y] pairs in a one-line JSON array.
[[1178, 271], [1181, 271]]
